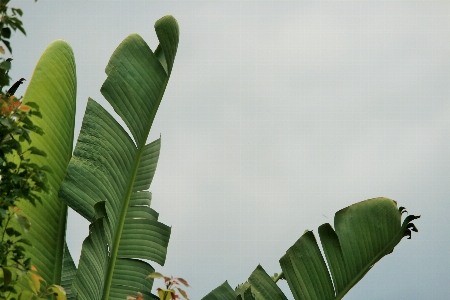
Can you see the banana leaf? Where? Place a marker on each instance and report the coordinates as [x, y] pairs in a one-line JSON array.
[[53, 88], [364, 233], [110, 172]]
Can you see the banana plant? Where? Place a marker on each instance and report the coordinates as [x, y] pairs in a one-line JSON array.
[[106, 178], [364, 233], [108, 175], [53, 88]]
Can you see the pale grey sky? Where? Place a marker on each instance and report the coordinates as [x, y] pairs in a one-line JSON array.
[[278, 114]]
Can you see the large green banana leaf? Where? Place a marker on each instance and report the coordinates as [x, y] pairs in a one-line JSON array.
[[364, 233], [110, 171], [53, 88]]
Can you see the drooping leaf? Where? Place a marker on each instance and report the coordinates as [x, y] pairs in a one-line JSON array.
[[184, 282], [182, 293], [7, 44]]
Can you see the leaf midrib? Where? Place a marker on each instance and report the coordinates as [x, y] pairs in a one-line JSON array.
[[121, 221]]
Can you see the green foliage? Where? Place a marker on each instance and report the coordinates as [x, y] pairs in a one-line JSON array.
[[21, 180], [31, 286], [364, 233], [106, 181], [109, 172], [107, 164], [53, 88], [9, 22]]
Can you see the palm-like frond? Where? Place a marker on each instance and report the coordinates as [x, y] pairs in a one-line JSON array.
[[110, 171], [364, 233]]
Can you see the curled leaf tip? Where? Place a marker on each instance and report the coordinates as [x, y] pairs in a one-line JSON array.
[[402, 209], [408, 233], [412, 227], [409, 226], [408, 219]]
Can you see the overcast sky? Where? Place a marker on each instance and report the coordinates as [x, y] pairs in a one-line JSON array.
[[278, 114]]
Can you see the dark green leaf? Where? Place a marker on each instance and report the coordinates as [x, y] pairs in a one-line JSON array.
[[32, 105], [7, 44], [6, 32], [26, 136], [7, 122], [16, 178], [12, 232], [39, 115], [7, 276], [24, 241], [17, 10], [27, 263], [5, 65], [36, 151]]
